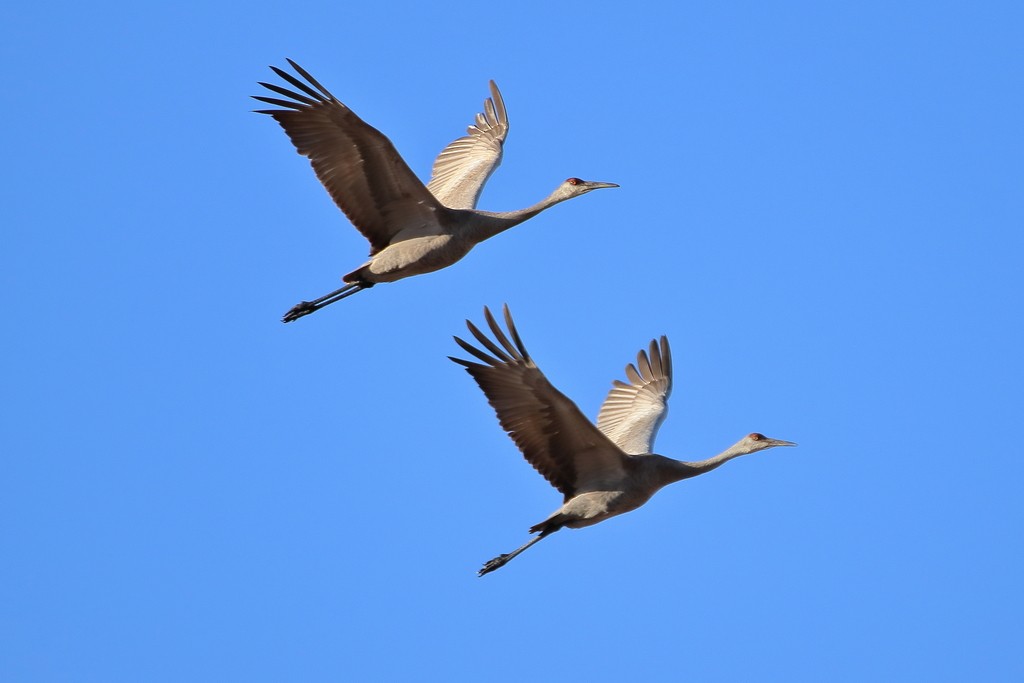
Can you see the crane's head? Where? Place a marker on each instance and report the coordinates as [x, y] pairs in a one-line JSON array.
[[752, 443], [574, 187]]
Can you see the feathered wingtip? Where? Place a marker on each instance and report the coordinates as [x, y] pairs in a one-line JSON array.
[[510, 351], [297, 102], [652, 364], [494, 114]]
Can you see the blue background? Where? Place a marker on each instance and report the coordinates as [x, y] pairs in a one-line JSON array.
[[820, 205]]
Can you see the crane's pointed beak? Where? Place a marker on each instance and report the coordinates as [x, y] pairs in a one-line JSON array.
[[595, 185], [780, 442]]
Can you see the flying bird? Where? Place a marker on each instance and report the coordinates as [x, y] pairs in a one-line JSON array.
[[412, 228], [602, 470]]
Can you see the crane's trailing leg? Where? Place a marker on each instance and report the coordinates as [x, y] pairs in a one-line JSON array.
[[306, 307], [501, 560]]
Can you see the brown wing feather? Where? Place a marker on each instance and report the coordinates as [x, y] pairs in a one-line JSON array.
[[355, 162], [550, 430]]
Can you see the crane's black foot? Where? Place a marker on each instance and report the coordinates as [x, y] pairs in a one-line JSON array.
[[496, 563], [297, 311]]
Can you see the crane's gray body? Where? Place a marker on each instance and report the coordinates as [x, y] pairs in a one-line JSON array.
[[452, 233], [604, 497]]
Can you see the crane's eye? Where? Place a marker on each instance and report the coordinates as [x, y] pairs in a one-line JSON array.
[[756, 437], [574, 181]]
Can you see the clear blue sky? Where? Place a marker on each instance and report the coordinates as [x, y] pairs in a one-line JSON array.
[[821, 206]]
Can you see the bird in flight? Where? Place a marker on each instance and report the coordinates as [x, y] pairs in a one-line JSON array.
[[602, 470], [412, 228]]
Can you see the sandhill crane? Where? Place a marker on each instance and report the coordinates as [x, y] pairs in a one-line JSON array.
[[412, 228], [603, 470]]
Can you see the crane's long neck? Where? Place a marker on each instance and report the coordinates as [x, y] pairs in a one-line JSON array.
[[491, 224], [679, 470]]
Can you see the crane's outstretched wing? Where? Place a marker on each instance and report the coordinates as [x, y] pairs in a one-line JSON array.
[[633, 412], [462, 168], [552, 433], [358, 165]]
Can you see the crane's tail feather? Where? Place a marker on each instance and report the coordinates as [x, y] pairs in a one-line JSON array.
[[550, 525]]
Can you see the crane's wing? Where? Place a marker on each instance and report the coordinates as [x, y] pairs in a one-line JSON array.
[[552, 433], [462, 168], [358, 165], [633, 412]]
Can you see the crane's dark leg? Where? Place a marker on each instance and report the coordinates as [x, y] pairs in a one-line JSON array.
[[501, 560], [306, 307]]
